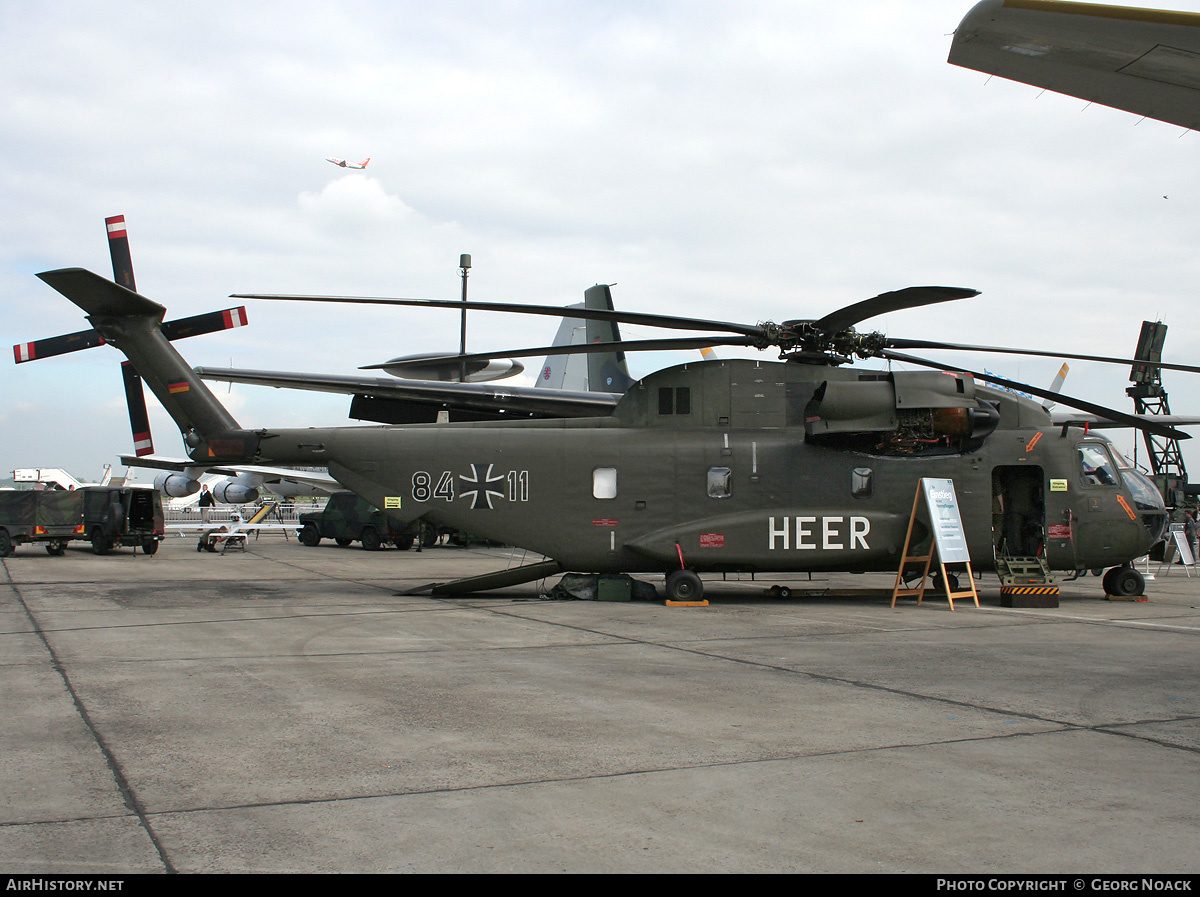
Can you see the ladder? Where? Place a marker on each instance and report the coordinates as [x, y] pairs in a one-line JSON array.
[[1026, 582]]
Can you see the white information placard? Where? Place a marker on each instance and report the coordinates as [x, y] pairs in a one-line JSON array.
[[1181, 543], [942, 503]]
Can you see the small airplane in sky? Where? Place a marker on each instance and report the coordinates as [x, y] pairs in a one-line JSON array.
[[342, 163]]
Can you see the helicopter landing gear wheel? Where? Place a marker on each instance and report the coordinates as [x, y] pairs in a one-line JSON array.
[[684, 585], [951, 579], [1124, 582]]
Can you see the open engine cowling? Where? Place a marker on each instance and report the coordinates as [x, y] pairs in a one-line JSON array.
[[905, 411]]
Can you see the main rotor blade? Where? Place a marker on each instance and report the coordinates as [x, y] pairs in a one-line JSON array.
[[672, 322], [1081, 404], [962, 347], [645, 345], [910, 297]]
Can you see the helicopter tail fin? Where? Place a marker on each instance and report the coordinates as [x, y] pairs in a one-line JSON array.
[[133, 324]]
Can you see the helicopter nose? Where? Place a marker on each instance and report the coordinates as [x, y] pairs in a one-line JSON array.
[[1149, 503]]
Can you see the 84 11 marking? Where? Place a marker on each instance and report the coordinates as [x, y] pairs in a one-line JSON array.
[[516, 486]]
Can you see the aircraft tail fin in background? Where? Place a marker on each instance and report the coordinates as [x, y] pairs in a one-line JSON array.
[[593, 372], [1057, 385], [133, 324], [566, 371], [607, 371]]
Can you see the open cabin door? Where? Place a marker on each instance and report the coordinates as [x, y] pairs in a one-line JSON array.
[[1018, 511]]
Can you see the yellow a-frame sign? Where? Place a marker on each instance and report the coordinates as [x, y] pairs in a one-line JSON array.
[[949, 542]]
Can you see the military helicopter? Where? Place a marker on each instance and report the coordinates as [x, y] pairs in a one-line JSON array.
[[728, 465]]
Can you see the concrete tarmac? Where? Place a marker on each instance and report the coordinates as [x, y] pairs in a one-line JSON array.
[[285, 710]]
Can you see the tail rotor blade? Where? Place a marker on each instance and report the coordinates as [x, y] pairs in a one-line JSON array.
[[56, 345], [181, 328], [209, 322], [139, 419], [118, 249]]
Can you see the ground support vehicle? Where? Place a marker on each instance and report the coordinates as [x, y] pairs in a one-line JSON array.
[[49, 516], [124, 516], [347, 518]]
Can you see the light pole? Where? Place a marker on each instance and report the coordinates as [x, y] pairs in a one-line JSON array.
[[464, 263]]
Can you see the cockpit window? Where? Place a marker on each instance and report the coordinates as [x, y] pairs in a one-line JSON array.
[[1096, 466], [1123, 463]]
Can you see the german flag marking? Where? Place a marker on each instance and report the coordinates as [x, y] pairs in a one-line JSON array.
[[178, 386]]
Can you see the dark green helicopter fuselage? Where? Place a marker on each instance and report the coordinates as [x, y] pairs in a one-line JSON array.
[[742, 465]]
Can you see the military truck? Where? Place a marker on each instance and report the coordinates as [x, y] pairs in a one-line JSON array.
[[347, 518], [107, 515], [49, 516], [122, 516]]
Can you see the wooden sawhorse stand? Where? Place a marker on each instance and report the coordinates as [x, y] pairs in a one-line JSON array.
[[927, 559]]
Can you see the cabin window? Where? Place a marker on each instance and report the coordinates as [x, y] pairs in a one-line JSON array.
[[666, 400], [675, 400], [860, 482], [720, 482], [604, 482]]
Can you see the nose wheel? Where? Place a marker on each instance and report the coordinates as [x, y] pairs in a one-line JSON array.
[[684, 585], [1124, 582]]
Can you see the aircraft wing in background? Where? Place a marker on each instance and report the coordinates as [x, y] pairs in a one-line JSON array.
[[391, 400], [1145, 61], [181, 478]]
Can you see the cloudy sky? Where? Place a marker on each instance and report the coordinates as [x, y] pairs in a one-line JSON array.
[[741, 161]]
